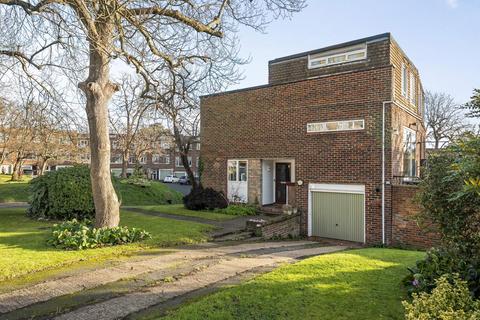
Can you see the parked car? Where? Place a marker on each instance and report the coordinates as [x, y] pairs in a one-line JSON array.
[[184, 180], [170, 179]]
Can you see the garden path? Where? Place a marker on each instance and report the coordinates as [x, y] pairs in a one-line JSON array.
[[164, 277]]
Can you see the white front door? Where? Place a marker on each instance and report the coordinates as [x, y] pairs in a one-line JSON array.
[[237, 180], [268, 196]]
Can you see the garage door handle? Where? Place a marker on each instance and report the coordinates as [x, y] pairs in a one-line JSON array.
[[336, 224]]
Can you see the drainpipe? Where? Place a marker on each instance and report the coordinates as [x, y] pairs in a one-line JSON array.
[[383, 169]]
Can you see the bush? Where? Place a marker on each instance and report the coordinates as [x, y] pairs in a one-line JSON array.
[[238, 210], [439, 262], [450, 300], [208, 198], [138, 178], [450, 196], [450, 199], [75, 235], [62, 195]]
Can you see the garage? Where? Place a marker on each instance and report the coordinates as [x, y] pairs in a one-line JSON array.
[[337, 211]]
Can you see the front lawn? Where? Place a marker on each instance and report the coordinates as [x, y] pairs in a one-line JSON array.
[[129, 194], [13, 191], [356, 284], [155, 193], [23, 249], [179, 209]]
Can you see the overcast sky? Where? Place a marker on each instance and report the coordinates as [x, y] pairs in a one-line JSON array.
[[441, 37]]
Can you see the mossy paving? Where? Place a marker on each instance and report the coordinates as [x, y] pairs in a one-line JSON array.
[[80, 281]]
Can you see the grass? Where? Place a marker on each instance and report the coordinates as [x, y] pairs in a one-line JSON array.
[[23, 242], [155, 193], [130, 195], [356, 284], [179, 209], [13, 191]]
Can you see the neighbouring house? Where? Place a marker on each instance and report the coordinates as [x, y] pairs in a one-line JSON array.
[[159, 160], [332, 134]]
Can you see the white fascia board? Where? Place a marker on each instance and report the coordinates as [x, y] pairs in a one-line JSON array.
[[344, 188]]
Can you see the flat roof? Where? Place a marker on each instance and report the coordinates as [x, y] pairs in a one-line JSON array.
[[335, 46]]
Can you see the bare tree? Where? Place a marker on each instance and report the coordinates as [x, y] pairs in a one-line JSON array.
[[22, 134], [127, 117], [444, 118], [8, 116], [51, 34], [183, 117]]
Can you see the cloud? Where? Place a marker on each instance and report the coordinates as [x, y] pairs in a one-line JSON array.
[[452, 3]]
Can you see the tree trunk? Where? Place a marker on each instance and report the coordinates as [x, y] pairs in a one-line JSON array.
[[125, 158], [98, 91], [184, 155], [188, 169], [17, 168], [42, 167]]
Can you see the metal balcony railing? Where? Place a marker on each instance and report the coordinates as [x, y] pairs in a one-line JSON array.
[[405, 180]]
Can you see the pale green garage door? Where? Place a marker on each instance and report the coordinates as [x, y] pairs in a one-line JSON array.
[[338, 215]]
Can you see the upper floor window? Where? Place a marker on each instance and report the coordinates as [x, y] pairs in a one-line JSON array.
[[142, 159], [165, 144], [409, 152], [413, 90], [404, 79], [156, 158], [337, 57], [82, 143], [178, 162], [116, 159], [335, 126], [85, 157]]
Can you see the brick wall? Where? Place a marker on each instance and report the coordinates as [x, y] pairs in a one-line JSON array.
[[270, 123], [405, 230], [297, 69], [398, 58], [289, 227]]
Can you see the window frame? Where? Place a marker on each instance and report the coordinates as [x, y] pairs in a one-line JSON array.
[[237, 170], [404, 80], [412, 89], [412, 170], [327, 57], [336, 130]]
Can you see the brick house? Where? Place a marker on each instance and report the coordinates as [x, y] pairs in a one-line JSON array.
[[159, 161], [330, 134]]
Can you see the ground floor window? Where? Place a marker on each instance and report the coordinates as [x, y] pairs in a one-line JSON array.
[[237, 188], [237, 170]]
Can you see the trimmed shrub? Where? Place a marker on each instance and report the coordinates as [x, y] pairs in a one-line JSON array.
[[75, 235], [238, 210], [208, 198], [62, 195], [450, 300]]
